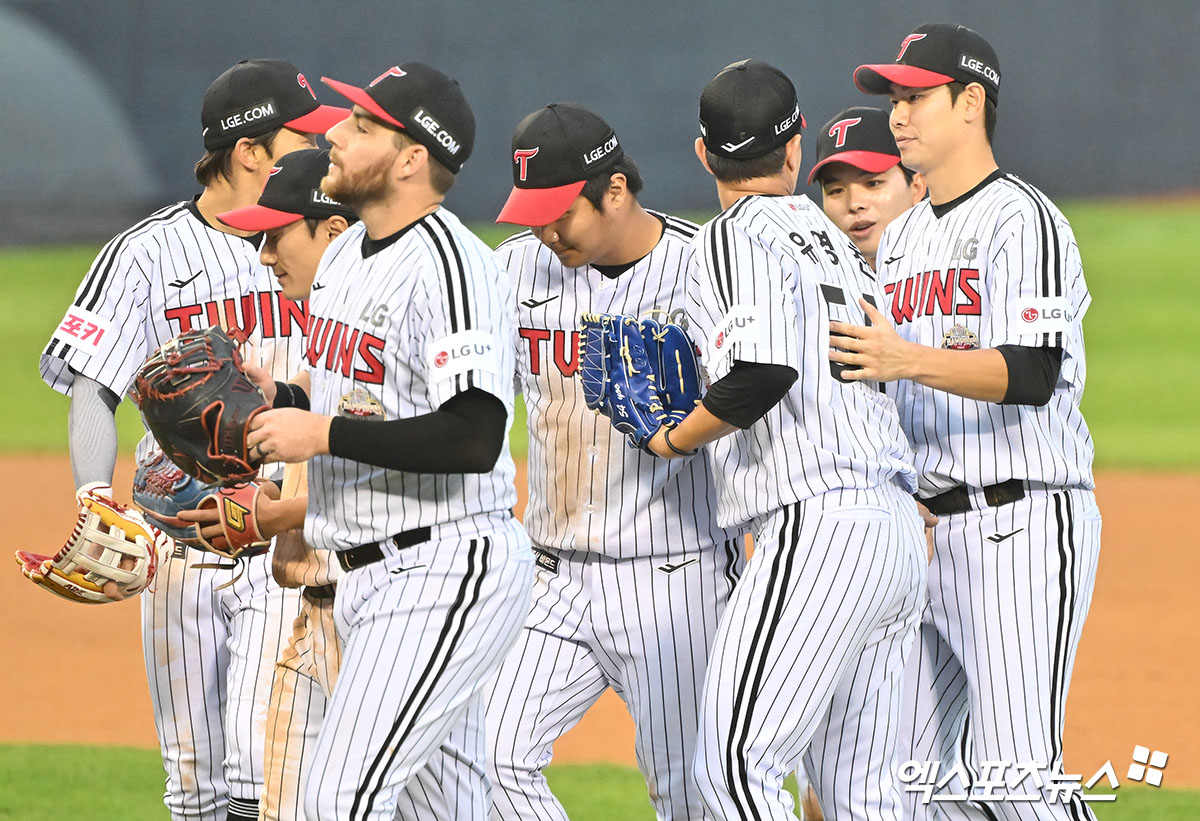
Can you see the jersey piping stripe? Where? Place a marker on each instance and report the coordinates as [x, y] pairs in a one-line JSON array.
[[520, 236], [450, 302], [725, 290], [455, 623], [462, 272], [681, 227], [1048, 234], [756, 660], [101, 272]]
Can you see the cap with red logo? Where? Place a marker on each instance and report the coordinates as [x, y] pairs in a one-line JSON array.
[[859, 136], [555, 151], [292, 193], [423, 102], [932, 55], [258, 96]]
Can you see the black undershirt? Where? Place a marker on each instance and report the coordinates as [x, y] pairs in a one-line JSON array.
[[1032, 374], [464, 435], [945, 208], [748, 391]]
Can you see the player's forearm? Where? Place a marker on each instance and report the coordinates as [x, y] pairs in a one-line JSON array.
[[694, 432], [277, 516], [92, 432], [980, 375]]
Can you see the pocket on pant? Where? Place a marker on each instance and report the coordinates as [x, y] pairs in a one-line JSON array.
[[859, 513]]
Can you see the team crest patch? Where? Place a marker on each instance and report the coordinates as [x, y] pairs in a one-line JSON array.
[[960, 338], [358, 404]]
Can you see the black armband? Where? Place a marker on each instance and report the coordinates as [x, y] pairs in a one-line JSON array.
[[748, 391], [288, 395], [1032, 374], [464, 435]]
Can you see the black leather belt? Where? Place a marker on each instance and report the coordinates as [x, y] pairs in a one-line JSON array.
[[366, 554], [958, 500], [319, 591]]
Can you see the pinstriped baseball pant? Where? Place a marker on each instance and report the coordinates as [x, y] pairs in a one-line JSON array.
[[1009, 590], [808, 659]]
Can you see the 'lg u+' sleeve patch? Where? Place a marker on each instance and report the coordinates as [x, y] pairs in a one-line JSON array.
[[462, 352]]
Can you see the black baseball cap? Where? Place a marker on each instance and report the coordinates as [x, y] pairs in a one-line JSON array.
[[748, 109], [932, 55], [257, 96], [292, 193], [556, 150], [859, 136], [424, 103]]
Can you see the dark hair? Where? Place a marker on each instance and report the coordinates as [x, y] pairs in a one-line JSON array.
[[989, 109], [729, 170], [595, 188], [218, 163], [909, 175], [440, 177]]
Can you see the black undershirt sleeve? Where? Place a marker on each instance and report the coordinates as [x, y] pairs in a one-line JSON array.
[[464, 435], [748, 391], [288, 395], [1032, 374]]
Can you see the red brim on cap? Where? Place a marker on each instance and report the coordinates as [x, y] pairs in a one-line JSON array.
[[359, 96], [319, 120], [257, 218], [878, 79], [535, 207], [873, 162]]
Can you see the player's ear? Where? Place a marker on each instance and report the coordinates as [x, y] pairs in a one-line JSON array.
[[973, 99], [792, 154], [333, 226], [248, 154], [918, 187], [618, 190], [701, 154]]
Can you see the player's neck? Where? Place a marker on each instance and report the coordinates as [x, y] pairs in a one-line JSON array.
[[225, 195], [776, 186], [384, 217], [639, 233], [969, 166]]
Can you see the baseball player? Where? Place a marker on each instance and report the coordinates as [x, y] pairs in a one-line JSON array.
[[632, 569], [863, 185], [412, 326], [299, 221], [815, 466], [981, 340], [210, 634]]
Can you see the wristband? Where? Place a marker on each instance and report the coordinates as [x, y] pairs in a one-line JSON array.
[[667, 439]]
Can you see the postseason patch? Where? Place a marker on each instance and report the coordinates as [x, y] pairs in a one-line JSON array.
[[740, 326], [358, 404], [82, 330], [960, 338], [1039, 315], [461, 352]]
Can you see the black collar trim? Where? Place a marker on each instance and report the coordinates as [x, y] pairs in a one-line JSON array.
[[945, 208]]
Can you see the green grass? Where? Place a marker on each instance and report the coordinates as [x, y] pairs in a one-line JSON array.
[[49, 783], [1143, 376]]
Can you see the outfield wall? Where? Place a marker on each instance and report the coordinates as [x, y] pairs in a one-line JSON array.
[[102, 97]]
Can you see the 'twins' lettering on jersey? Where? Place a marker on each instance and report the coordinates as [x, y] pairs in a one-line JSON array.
[[998, 266]]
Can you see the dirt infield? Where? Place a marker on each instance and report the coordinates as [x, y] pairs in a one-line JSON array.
[[1135, 681]]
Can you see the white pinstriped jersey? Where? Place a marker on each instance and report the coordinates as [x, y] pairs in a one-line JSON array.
[[170, 273], [587, 489], [768, 274], [425, 318], [1001, 263]]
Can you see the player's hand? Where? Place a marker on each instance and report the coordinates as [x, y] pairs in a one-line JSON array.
[[930, 521], [872, 351], [288, 435], [262, 377], [265, 515]]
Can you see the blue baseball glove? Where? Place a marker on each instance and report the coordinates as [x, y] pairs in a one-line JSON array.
[[161, 489], [640, 375]]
